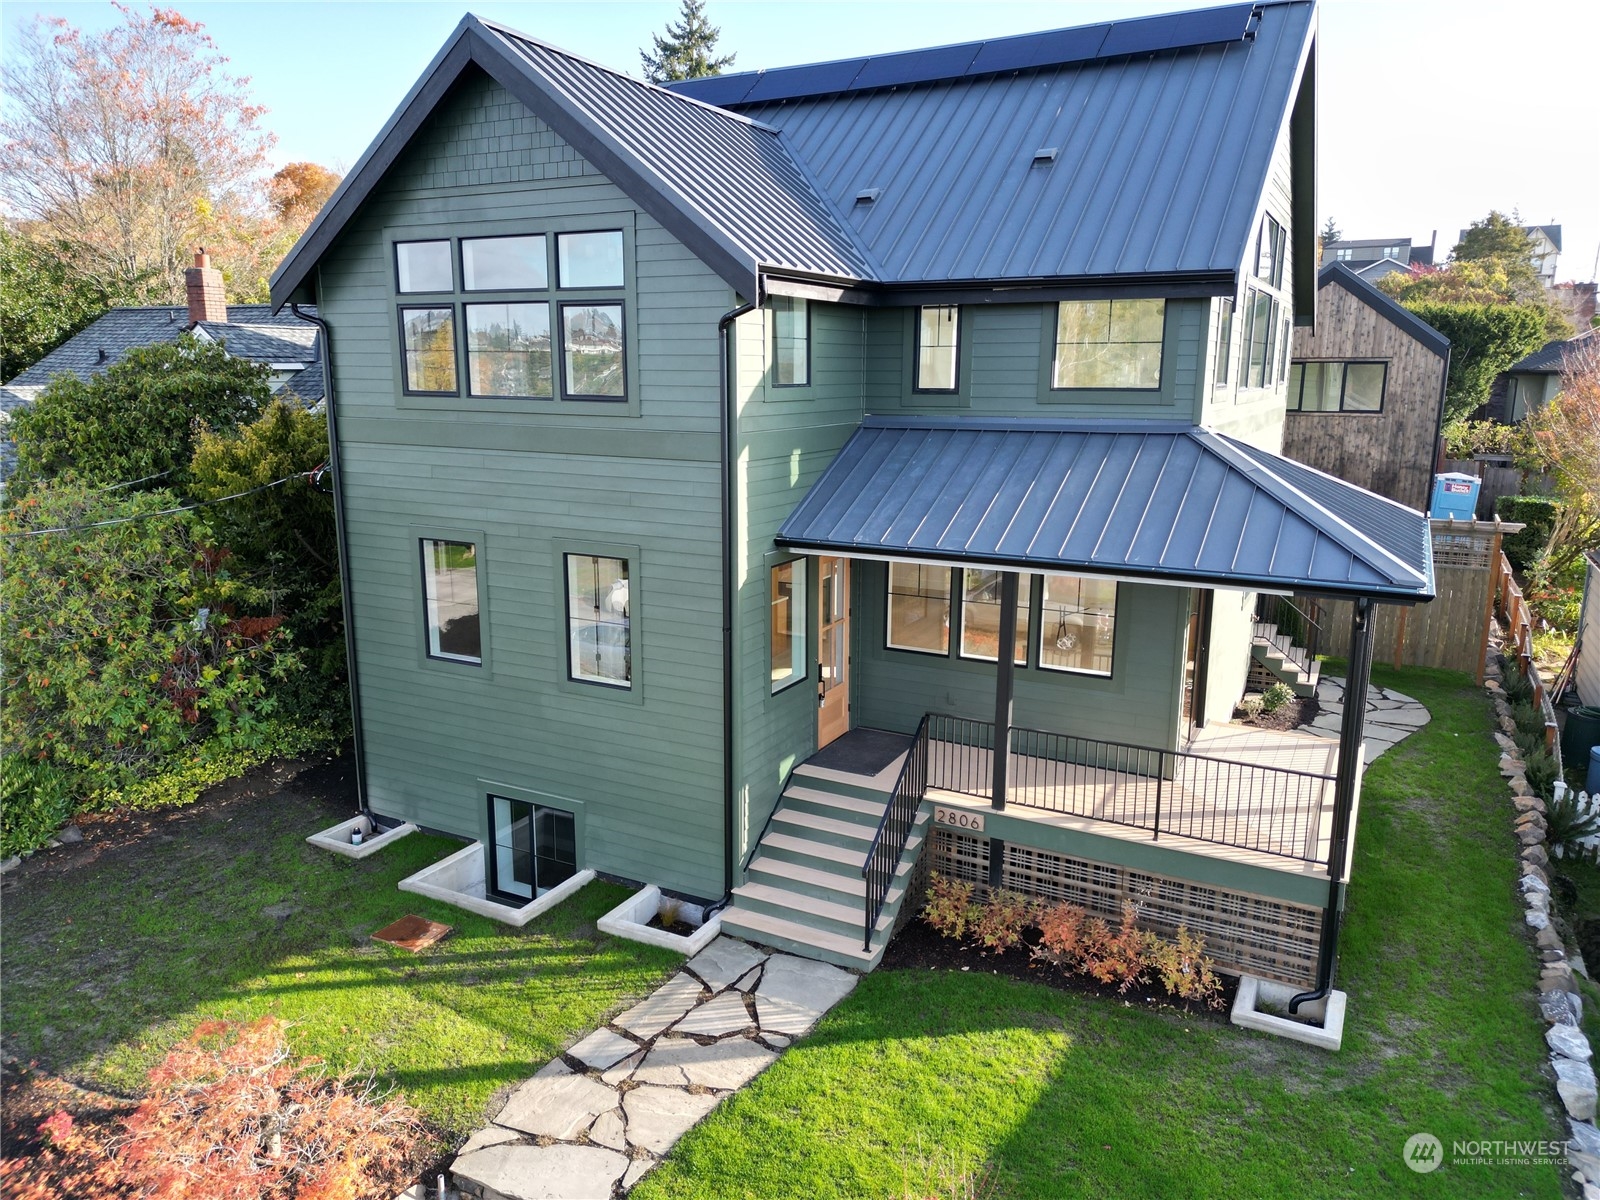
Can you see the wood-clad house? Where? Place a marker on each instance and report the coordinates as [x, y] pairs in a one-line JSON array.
[[681, 436], [1366, 390]]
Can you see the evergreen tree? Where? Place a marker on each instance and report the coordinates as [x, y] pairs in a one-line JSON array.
[[1331, 233], [1496, 237], [689, 49]]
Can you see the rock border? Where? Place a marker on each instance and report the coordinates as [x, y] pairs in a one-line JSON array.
[[1560, 1004]]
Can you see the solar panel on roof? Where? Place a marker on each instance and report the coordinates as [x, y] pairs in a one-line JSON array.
[[1038, 49], [914, 66], [812, 80], [722, 90], [1150, 34]]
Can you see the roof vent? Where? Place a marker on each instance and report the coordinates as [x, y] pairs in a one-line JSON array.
[[1045, 154], [100, 355], [868, 195]]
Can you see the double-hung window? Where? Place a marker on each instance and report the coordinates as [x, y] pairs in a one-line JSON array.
[[536, 316], [919, 608]]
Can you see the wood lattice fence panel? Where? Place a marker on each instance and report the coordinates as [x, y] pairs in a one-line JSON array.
[[1244, 933]]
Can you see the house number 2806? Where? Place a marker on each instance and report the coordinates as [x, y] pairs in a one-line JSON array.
[[958, 817]]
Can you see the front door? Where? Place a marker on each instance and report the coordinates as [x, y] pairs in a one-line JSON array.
[[833, 648]]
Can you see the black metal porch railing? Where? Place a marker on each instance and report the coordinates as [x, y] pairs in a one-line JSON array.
[[1292, 625], [1274, 810], [883, 857]]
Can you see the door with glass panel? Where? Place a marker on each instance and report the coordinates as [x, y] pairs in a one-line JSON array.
[[833, 648]]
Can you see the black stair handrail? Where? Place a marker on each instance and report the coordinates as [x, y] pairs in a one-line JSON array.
[[894, 830], [1297, 621]]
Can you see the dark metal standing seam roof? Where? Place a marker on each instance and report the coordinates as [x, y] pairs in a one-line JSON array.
[[1163, 501], [1160, 158]]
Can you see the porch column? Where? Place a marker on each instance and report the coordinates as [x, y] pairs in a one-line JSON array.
[[1004, 680], [1347, 781]]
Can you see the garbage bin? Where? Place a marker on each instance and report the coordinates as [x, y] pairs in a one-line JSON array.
[[1582, 731], [1455, 496]]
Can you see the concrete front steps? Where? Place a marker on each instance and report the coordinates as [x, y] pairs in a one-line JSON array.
[[1271, 651], [804, 892]]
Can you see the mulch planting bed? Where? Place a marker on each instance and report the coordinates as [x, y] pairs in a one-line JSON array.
[[1290, 715], [918, 948]]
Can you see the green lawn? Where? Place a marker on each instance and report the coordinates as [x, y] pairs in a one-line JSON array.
[[921, 1078], [108, 963]]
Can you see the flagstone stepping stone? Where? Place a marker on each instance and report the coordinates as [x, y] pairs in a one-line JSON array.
[[603, 1049], [637, 1171], [542, 1172], [622, 1070], [607, 1131], [557, 1107], [724, 961], [726, 1014], [658, 1116], [795, 992], [677, 1062], [492, 1136], [748, 982], [661, 1008]]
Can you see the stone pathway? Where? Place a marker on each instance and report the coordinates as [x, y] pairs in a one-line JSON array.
[[593, 1121], [1391, 716]]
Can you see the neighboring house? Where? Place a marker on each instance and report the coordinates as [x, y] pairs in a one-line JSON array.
[[1531, 382], [1373, 258], [1366, 390], [1544, 247], [681, 433], [283, 341]]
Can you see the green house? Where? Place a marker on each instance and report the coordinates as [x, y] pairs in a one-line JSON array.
[[698, 451]]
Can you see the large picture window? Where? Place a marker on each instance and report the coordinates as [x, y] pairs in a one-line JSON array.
[[1077, 624], [535, 848], [1337, 386], [919, 608], [980, 615], [938, 348], [450, 592], [1113, 344], [787, 597], [599, 645], [508, 350], [791, 341]]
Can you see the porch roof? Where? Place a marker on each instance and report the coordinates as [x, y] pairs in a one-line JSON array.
[[1162, 501]]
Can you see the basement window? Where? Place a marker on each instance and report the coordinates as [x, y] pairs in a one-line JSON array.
[[535, 848]]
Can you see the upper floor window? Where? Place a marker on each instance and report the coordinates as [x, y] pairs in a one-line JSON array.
[[938, 348], [1270, 252], [1224, 342], [1109, 344], [791, 341], [1261, 336], [527, 340], [1343, 254], [1394, 251], [1337, 386]]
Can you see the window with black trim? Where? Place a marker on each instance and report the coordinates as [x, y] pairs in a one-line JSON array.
[[919, 608], [1260, 338], [791, 341], [787, 628], [980, 615], [1270, 242], [450, 598], [1109, 344], [1337, 386], [600, 636], [1077, 623], [535, 848], [1224, 342], [523, 338], [938, 348]]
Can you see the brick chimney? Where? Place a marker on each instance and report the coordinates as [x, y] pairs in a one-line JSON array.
[[203, 282]]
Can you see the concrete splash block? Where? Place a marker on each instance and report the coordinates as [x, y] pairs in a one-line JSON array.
[[1252, 1010], [340, 838], [631, 920], [459, 879]]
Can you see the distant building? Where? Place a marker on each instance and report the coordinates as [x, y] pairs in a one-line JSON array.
[[1530, 383], [1373, 258], [1546, 247]]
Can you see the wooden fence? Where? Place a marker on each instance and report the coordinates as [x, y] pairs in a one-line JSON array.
[[1513, 612], [1451, 632]]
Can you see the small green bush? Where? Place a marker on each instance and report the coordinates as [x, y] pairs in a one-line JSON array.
[[1517, 685], [949, 905], [35, 798], [1538, 514], [1276, 696], [1539, 768]]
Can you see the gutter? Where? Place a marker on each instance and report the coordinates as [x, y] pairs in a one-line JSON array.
[[725, 423], [341, 537]]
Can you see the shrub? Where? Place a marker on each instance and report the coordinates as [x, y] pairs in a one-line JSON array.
[[1466, 439], [1539, 768], [1061, 932], [1566, 825], [35, 798], [1184, 970], [949, 905], [998, 922], [1538, 515], [1120, 956], [1275, 697], [1555, 597], [230, 1116]]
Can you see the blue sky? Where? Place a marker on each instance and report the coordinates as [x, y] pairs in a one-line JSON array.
[[1432, 111]]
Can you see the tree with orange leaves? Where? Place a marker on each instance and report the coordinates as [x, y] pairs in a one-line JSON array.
[[1566, 437]]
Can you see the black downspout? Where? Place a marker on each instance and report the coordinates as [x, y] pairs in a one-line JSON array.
[[342, 539], [1357, 676], [725, 420]]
